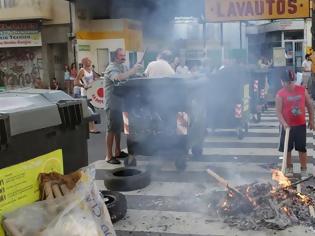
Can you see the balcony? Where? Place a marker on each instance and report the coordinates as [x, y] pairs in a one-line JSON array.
[[25, 10]]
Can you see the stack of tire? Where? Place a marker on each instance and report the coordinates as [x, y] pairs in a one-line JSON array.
[[122, 180]]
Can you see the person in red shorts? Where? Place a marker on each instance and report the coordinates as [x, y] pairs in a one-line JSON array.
[[291, 102]]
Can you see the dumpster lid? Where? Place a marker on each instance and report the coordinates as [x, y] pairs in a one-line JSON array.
[[28, 112]]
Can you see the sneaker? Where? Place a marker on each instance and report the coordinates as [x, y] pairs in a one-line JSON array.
[[304, 174], [289, 172], [122, 155], [113, 161]]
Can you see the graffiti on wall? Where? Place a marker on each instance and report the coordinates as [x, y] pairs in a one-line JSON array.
[[20, 67]]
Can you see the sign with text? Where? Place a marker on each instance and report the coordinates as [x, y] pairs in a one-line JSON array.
[[19, 184], [20, 35], [244, 10]]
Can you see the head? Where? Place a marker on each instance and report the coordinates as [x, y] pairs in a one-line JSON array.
[[66, 67], [73, 66], [120, 56], [86, 62], [288, 78], [165, 55], [308, 57]]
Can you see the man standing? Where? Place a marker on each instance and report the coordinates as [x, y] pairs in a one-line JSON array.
[[115, 73], [306, 69], [161, 67], [291, 101]]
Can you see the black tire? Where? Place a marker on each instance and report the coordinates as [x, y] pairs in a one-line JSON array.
[[196, 151], [180, 164], [116, 204], [240, 133], [126, 179]]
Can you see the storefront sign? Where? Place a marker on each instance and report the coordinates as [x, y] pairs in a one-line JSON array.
[[243, 10], [84, 48], [20, 35], [96, 94], [19, 183]]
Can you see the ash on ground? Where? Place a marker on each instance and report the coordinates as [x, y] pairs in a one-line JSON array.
[[262, 206]]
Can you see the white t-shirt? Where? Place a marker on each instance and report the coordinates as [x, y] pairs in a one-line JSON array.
[[307, 65], [159, 68]]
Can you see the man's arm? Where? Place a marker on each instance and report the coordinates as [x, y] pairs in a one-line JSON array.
[[279, 112], [126, 75], [310, 110]]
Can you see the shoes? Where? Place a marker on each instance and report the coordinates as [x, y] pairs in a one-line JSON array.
[[122, 155], [114, 161], [289, 172], [304, 174]]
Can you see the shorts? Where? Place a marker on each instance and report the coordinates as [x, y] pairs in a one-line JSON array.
[[114, 121], [297, 139]]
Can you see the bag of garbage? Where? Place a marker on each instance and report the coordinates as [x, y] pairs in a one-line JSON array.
[[81, 212]]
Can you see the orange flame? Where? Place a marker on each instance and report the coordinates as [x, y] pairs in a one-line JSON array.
[[278, 176], [304, 199]]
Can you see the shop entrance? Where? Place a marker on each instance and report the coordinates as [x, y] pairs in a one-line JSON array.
[[294, 53]]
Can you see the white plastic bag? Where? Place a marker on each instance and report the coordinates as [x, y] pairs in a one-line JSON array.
[[81, 213]]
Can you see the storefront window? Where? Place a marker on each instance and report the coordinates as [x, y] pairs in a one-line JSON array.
[[293, 35]]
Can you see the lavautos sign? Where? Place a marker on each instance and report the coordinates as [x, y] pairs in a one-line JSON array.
[[20, 35], [243, 10]]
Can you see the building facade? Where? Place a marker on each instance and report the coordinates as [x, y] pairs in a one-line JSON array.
[[292, 35], [34, 42]]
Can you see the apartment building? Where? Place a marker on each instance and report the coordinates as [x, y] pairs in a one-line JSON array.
[[35, 40]]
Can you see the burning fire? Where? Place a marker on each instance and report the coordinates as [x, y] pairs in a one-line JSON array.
[[304, 199], [278, 176]]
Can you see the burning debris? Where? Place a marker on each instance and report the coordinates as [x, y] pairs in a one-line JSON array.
[[261, 205]]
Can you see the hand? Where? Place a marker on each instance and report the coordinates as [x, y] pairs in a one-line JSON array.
[[136, 68], [285, 125], [311, 125]]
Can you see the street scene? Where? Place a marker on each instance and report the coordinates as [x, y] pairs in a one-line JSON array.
[[157, 117]]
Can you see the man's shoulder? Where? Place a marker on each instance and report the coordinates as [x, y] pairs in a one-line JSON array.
[[281, 92], [299, 88]]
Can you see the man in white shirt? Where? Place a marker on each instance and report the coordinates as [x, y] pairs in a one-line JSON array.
[[161, 67], [307, 69]]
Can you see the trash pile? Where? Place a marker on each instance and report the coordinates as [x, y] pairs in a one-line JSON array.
[[72, 205]]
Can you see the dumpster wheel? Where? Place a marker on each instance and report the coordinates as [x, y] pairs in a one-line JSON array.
[[240, 133], [257, 118], [196, 151], [180, 163], [246, 127]]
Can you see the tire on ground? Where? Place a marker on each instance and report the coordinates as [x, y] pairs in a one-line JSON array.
[[126, 179], [116, 204]]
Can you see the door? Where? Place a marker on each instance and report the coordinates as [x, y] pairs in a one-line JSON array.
[[102, 59], [294, 54]]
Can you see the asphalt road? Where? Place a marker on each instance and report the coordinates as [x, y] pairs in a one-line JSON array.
[[170, 205]]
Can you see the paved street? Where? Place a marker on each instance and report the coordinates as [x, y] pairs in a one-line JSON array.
[[174, 203]]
